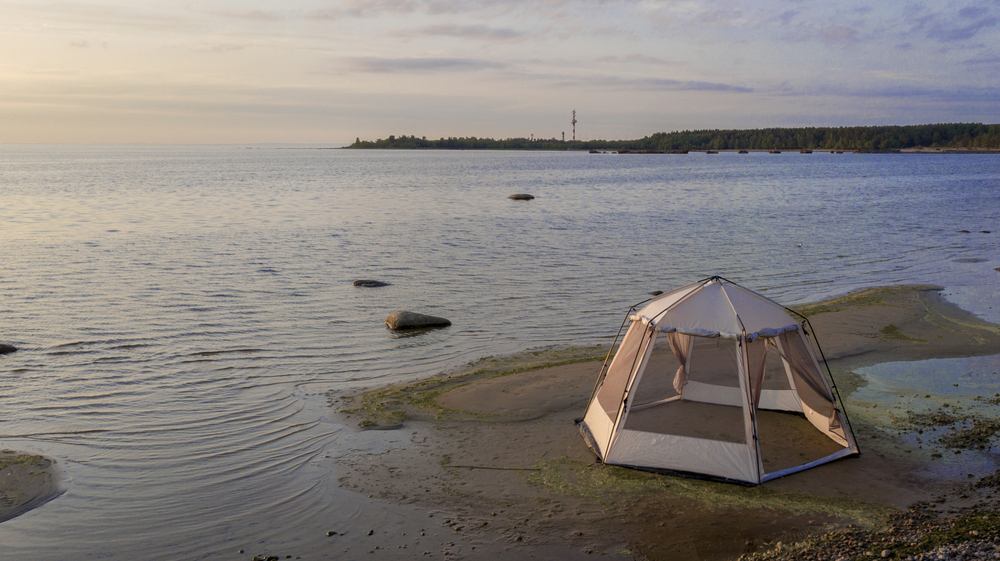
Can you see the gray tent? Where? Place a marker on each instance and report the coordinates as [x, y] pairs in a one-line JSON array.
[[717, 380]]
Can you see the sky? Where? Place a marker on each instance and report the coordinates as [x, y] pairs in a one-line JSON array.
[[329, 71]]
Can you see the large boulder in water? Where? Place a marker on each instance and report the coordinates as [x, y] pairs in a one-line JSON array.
[[413, 320], [6, 349]]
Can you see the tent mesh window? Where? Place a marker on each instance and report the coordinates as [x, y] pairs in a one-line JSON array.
[[702, 400], [609, 396]]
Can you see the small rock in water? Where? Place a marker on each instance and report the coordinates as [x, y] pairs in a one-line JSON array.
[[521, 197], [5, 348], [413, 320], [370, 532], [369, 283], [656, 293]]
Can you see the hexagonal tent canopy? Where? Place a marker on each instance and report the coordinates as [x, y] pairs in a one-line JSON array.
[[713, 379]]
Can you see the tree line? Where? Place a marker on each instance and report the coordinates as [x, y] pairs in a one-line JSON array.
[[947, 136]]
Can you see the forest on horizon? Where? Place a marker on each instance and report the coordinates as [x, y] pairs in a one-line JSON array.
[[969, 136]]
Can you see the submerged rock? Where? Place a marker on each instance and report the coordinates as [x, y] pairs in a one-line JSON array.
[[521, 197], [5, 348], [370, 283], [413, 320]]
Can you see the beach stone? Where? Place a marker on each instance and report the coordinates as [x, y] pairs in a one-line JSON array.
[[521, 197], [370, 283], [5, 348], [413, 320]]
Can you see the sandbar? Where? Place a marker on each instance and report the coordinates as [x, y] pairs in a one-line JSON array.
[[496, 446]]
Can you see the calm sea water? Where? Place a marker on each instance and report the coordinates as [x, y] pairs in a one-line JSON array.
[[182, 309]]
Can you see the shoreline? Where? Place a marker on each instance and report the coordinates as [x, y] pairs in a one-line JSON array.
[[496, 446]]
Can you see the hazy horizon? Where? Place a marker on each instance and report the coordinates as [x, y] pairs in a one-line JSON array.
[[327, 72]]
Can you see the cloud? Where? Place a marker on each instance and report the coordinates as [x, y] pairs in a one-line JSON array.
[[366, 9], [786, 17], [223, 47], [948, 34], [838, 34], [657, 84], [253, 15], [982, 60], [956, 93], [638, 58], [946, 30], [972, 12], [378, 65], [478, 32]]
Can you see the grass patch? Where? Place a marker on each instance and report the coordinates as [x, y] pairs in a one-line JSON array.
[[10, 459], [607, 484], [394, 404], [882, 296], [892, 332]]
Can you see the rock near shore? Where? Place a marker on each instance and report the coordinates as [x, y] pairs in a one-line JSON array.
[[413, 320], [521, 197], [5, 348], [370, 283]]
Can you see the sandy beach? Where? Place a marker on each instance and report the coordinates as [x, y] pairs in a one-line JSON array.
[[494, 450]]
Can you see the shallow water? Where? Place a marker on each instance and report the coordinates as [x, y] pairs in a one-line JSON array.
[[182, 309], [957, 386]]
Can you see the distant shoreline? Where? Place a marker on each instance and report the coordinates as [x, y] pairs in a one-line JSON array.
[[964, 138]]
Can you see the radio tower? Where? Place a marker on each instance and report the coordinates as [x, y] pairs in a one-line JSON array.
[[574, 124]]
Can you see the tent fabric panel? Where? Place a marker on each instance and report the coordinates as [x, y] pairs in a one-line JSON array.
[[780, 400], [757, 312], [822, 423], [705, 309], [711, 393], [599, 424], [665, 301], [681, 453], [612, 389]]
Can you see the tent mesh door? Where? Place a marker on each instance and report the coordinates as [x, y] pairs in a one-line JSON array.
[[709, 404]]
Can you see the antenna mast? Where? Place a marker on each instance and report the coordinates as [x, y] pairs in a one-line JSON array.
[[574, 124]]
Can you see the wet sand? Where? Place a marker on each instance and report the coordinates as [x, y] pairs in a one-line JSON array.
[[26, 482], [496, 449]]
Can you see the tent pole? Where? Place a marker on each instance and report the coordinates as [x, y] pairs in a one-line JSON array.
[[843, 407]]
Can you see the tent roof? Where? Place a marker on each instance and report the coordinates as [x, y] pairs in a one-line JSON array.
[[718, 307]]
